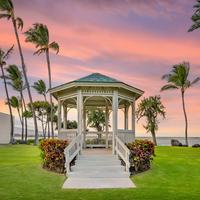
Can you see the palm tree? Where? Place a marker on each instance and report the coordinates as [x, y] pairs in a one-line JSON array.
[[39, 35], [16, 102], [15, 77], [7, 12], [178, 79], [150, 108], [41, 88], [3, 57], [195, 17]]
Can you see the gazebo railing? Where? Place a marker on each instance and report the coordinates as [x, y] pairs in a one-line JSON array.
[[72, 150], [122, 151], [126, 135], [67, 134], [90, 136]]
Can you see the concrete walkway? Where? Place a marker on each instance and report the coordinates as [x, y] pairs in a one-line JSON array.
[[98, 168]]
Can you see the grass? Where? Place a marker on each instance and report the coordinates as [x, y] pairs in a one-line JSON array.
[[175, 174]]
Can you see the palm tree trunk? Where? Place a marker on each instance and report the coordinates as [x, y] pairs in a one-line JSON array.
[[51, 103], [47, 121], [10, 109], [154, 137], [43, 127], [26, 130], [22, 118], [26, 79], [185, 116]]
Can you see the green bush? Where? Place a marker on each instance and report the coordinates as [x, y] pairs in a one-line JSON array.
[[30, 141], [141, 154], [53, 154]]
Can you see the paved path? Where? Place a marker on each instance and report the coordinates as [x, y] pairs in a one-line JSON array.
[[98, 168]]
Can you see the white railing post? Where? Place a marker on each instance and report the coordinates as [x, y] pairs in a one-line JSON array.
[[123, 152], [72, 150], [67, 164]]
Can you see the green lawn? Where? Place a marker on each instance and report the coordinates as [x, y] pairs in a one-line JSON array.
[[175, 174]]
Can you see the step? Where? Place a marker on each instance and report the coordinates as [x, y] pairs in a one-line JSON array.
[[99, 170], [108, 167], [88, 183], [96, 162], [97, 174], [97, 158]]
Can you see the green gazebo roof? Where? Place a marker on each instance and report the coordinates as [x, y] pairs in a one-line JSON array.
[[98, 78]]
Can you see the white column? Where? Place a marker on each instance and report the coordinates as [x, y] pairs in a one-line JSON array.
[[65, 117], [107, 123], [126, 117], [115, 118], [59, 116], [84, 126], [80, 111], [133, 117]]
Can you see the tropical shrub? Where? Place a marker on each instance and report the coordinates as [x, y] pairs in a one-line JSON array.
[[53, 154], [141, 154]]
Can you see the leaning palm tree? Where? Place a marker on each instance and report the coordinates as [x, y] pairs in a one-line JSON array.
[[195, 17], [39, 35], [15, 80], [7, 12], [3, 57], [178, 79]]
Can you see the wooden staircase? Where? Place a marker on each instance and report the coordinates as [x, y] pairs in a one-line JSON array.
[[98, 170]]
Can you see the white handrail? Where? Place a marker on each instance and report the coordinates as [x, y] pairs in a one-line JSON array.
[[122, 151], [72, 150]]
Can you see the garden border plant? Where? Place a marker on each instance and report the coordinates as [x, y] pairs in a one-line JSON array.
[[141, 155], [52, 153]]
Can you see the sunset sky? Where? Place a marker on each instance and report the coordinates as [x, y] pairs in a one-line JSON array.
[[133, 41]]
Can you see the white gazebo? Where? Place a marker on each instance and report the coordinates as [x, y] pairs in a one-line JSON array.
[[97, 90]]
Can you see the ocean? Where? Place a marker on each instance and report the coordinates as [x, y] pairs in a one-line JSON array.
[[162, 141]]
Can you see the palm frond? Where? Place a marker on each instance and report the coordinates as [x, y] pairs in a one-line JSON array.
[[39, 51], [15, 102], [38, 35], [5, 15], [195, 17], [165, 76], [194, 27], [13, 72], [168, 87], [19, 22], [54, 46], [196, 80], [40, 87], [6, 5], [7, 54]]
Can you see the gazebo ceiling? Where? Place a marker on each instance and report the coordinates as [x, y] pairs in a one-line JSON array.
[[94, 82]]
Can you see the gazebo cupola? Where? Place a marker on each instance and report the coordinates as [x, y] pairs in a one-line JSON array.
[[97, 90]]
